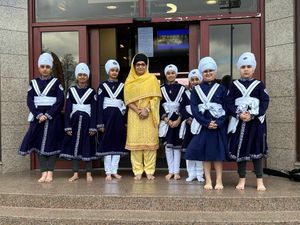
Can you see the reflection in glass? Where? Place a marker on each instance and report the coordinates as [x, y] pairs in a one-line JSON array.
[[167, 8], [65, 45], [220, 46], [73, 10]]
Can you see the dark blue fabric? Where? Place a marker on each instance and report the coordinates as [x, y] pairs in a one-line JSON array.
[[80, 145], [44, 138], [172, 138], [112, 141], [252, 138], [209, 144]]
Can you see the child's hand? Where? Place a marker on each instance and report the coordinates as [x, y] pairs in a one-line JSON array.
[[176, 123], [213, 125], [102, 129], [42, 118], [245, 116], [69, 132], [92, 133], [189, 121]]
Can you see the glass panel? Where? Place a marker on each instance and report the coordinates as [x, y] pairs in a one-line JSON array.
[[64, 45], [220, 46], [171, 8], [72, 10]]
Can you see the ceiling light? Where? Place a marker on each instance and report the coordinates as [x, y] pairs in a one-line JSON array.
[[173, 8], [211, 2], [111, 7]]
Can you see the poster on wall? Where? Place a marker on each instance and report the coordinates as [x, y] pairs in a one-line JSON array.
[[145, 40]]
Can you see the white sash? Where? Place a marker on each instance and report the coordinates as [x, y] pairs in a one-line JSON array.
[[243, 103], [112, 101], [182, 130], [80, 106], [215, 109], [42, 99], [170, 107]]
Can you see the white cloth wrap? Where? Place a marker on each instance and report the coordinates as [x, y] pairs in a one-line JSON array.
[[243, 104], [110, 102], [215, 109], [81, 107], [170, 108], [41, 101]]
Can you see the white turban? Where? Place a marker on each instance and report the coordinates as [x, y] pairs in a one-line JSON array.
[[207, 63], [195, 73], [111, 64], [171, 67], [45, 59], [82, 68], [247, 58]]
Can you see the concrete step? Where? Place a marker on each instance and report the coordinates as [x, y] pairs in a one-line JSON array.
[[20, 216], [151, 203]]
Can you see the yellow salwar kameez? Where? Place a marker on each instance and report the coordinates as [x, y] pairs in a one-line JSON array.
[[142, 134]]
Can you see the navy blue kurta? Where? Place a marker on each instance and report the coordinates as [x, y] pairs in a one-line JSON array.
[[249, 140], [172, 137], [112, 141], [186, 116], [80, 146], [209, 144], [44, 138]]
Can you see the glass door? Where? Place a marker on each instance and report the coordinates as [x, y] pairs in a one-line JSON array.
[[226, 40]]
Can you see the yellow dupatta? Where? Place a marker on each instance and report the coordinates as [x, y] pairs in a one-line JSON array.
[[138, 87]]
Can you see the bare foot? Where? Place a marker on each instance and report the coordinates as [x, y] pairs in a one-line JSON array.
[[208, 186], [219, 186], [108, 177], [177, 176], [150, 177], [49, 177], [74, 177], [89, 177], [260, 185], [117, 176], [43, 177], [138, 177], [169, 176], [241, 184]]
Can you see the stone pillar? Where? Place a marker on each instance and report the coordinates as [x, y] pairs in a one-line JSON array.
[[14, 82], [280, 82]]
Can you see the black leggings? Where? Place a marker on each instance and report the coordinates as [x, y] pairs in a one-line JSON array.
[[258, 168], [75, 166], [47, 163]]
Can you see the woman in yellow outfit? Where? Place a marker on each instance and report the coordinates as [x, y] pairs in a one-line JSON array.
[[142, 95]]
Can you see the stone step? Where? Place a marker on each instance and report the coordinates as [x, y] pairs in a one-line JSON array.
[[152, 203], [20, 216]]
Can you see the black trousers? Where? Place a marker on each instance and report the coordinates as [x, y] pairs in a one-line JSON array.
[[47, 163], [75, 166], [258, 168]]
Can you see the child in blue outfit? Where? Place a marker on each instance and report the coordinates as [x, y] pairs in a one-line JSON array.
[[80, 124], [169, 112], [209, 124], [194, 167], [111, 111], [45, 100], [247, 102]]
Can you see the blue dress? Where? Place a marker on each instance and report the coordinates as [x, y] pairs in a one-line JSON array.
[[209, 144], [185, 114], [172, 137], [249, 140], [112, 141], [44, 138], [80, 146]]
